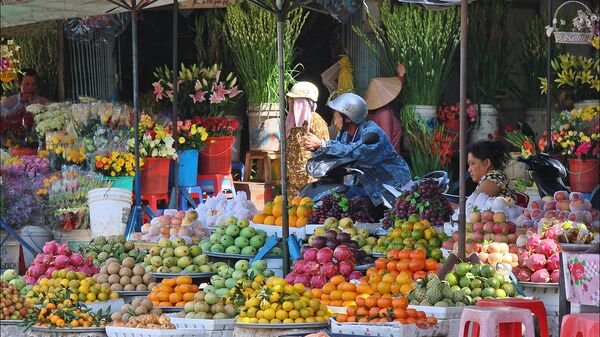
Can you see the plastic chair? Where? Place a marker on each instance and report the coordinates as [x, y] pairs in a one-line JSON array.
[[238, 165], [580, 325], [488, 318], [216, 183], [536, 307], [153, 199]]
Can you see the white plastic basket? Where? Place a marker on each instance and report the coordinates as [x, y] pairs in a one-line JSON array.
[[206, 324], [113, 331], [571, 37]]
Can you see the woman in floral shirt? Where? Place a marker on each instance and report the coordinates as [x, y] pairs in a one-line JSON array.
[[486, 161]]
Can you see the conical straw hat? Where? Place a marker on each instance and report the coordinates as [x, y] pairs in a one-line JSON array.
[[381, 91]]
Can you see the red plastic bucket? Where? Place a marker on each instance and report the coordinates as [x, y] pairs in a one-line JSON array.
[[23, 151], [583, 175], [216, 156], [155, 175]]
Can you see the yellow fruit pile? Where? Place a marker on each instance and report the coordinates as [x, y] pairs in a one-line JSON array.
[[298, 212], [83, 289], [275, 301]]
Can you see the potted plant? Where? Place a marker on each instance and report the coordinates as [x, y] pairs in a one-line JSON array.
[[156, 146], [577, 76], [488, 67], [118, 168], [216, 156], [576, 134], [449, 116], [425, 42], [192, 137], [251, 36]]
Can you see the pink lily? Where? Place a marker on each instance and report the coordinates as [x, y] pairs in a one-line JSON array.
[[233, 92], [158, 90], [219, 91], [198, 97], [215, 99]]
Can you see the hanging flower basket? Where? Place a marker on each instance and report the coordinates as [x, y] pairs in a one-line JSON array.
[[571, 37]]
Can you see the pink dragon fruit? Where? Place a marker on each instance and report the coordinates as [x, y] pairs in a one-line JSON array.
[[291, 278], [317, 281], [553, 262], [30, 279], [50, 248], [64, 249], [523, 257], [552, 231], [77, 259], [355, 275], [299, 266], [536, 262], [61, 261], [70, 267], [311, 268], [311, 254], [546, 247], [522, 274], [304, 279], [540, 276], [532, 241], [37, 270], [554, 276], [329, 270]]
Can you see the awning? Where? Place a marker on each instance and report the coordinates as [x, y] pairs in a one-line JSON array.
[[24, 12]]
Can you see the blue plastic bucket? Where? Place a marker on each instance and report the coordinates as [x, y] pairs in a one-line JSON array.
[[187, 163]]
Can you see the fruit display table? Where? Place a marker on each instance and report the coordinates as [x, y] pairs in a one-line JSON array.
[[11, 329], [32, 333], [248, 332]]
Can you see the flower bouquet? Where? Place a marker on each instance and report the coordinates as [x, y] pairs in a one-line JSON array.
[[219, 127], [9, 67], [583, 29], [191, 136], [449, 115], [519, 141], [577, 75], [201, 91], [118, 168]]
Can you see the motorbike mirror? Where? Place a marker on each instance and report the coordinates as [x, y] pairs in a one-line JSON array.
[[371, 138]]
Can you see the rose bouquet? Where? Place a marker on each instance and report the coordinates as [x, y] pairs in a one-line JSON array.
[[201, 91], [576, 133], [191, 136], [452, 112], [116, 164], [219, 127]]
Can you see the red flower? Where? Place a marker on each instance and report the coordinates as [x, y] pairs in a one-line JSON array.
[[578, 271], [509, 128]]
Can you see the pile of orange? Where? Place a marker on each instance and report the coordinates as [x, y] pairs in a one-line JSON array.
[[395, 273], [376, 309], [298, 211], [173, 292], [337, 292]]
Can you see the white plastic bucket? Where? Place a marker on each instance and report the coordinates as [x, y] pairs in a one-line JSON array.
[[36, 237], [487, 123], [537, 119], [109, 211], [426, 113], [586, 103]]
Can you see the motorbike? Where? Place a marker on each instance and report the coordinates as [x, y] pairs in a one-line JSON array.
[[335, 174]]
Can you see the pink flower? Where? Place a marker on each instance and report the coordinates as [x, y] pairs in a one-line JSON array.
[[233, 92], [199, 97], [158, 90], [583, 149], [219, 92], [215, 99], [577, 271]]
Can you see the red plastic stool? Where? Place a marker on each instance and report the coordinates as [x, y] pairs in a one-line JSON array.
[[216, 183], [153, 199], [488, 318], [536, 307], [580, 325]]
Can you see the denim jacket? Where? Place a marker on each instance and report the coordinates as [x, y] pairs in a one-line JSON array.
[[380, 162]]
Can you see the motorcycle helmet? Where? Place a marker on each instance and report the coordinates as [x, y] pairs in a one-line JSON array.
[[351, 106], [304, 90]]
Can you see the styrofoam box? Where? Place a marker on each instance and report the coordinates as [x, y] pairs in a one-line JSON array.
[[337, 310], [391, 329], [113, 331], [206, 324], [114, 304], [440, 312], [310, 228], [300, 232], [450, 228]]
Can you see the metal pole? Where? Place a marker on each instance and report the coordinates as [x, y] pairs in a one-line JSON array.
[[175, 91], [282, 141], [136, 116], [549, 79], [463, 127]]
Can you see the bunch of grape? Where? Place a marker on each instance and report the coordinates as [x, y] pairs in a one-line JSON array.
[[357, 210], [426, 200]]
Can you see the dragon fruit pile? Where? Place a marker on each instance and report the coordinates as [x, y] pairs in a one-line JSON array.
[[319, 265], [562, 206], [57, 257], [538, 260]]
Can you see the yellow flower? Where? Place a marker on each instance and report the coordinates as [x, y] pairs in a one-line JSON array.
[[181, 140], [121, 162], [104, 160], [112, 173], [106, 167]]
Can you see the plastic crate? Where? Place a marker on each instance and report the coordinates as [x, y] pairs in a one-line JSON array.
[[113, 331]]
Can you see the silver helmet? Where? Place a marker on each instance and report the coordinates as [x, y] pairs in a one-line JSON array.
[[350, 105]]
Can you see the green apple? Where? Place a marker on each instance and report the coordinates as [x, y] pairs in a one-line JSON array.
[[249, 250], [231, 220], [262, 233], [167, 252], [184, 261], [243, 223], [217, 281], [163, 269], [217, 248], [175, 270], [241, 242], [195, 250], [192, 268], [164, 242], [154, 250], [178, 242], [227, 241], [182, 251], [232, 250], [242, 265], [232, 230], [222, 292], [205, 268], [257, 241], [156, 261], [238, 274], [248, 232], [259, 265], [220, 230], [200, 260], [206, 245], [169, 261], [230, 283], [276, 251]]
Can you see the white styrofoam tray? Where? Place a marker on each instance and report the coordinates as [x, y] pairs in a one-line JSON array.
[[337, 310], [391, 329], [440, 312], [114, 304], [206, 324], [113, 331], [300, 232]]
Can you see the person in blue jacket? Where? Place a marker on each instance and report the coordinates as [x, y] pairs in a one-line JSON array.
[[379, 161]]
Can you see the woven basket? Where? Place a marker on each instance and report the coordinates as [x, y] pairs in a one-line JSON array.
[[571, 37]]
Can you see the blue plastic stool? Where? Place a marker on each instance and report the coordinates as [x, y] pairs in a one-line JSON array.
[[195, 192], [216, 183], [238, 165]]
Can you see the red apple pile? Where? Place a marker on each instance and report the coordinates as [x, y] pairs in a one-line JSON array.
[[562, 206], [539, 259], [318, 266], [486, 226]]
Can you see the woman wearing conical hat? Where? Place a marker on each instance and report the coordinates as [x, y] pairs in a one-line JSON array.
[[382, 91]]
